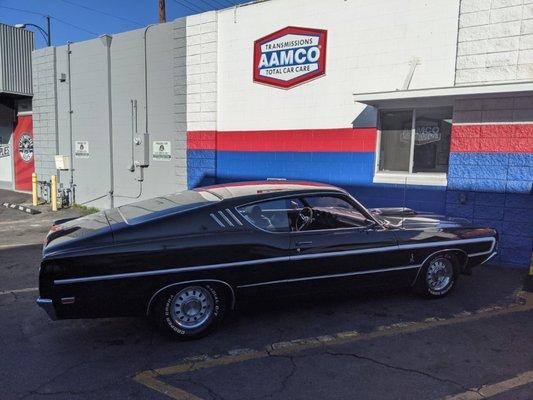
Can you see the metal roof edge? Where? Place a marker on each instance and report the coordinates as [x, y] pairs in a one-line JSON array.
[[457, 91]]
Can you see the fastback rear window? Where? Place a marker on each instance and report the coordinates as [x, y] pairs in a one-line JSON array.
[[178, 202]]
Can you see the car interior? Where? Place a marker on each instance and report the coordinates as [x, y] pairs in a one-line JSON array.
[[304, 214]]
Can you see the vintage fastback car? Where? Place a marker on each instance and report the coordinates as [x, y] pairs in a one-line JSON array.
[[186, 258]]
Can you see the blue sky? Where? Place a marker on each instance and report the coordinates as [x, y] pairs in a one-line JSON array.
[[76, 20]]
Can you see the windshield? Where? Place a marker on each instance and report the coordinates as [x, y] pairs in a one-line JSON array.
[[178, 202]]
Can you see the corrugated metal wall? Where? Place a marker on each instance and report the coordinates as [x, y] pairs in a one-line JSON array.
[[16, 46]]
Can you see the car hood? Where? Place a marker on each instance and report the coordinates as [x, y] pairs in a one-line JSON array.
[[407, 218]]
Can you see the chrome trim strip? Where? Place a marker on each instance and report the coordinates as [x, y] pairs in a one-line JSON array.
[[217, 220], [488, 258], [169, 271], [345, 253], [48, 306], [226, 218], [68, 300], [237, 220], [433, 254], [451, 243], [195, 281], [274, 259], [485, 252], [309, 278]]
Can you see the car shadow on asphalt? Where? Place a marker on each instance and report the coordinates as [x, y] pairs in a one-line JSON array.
[[257, 323]]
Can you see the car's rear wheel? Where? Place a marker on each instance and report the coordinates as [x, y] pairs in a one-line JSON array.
[[189, 311], [438, 276]]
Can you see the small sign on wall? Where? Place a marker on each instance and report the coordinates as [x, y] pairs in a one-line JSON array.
[[4, 151], [81, 149], [161, 150]]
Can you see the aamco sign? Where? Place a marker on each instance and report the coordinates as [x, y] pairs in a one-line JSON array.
[[290, 56]]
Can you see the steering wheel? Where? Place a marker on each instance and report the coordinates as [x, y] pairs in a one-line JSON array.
[[305, 217]]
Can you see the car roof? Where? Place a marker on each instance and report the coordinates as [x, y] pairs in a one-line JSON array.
[[266, 189]]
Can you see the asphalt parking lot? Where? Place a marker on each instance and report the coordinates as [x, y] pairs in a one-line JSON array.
[[477, 343]]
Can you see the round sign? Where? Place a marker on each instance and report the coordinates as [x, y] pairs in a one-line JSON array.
[[26, 147]]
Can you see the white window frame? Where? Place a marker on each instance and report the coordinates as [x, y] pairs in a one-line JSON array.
[[400, 177]]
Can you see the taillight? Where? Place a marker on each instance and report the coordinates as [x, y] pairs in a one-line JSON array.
[[58, 231], [52, 234]]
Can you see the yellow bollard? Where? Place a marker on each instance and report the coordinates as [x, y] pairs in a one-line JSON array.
[[34, 189], [53, 189]]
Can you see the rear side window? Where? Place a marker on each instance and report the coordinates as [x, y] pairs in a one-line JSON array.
[[271, 215]]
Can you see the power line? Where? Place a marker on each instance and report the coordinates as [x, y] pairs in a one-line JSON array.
[[184, 4], [211, 5], [232, 3], [25, 11], [101, 12], [74, 26], [55, 18]]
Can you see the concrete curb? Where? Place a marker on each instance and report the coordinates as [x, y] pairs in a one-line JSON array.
[[21, 208]]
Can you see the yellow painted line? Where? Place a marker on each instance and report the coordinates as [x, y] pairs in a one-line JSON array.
[[16, 245], [148, 378], [15, 291], [495, 389]]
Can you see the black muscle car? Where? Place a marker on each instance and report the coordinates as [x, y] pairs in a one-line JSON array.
[[186, 258]]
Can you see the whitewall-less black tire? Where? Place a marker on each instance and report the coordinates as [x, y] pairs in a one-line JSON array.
[[189, 311], [438, 276]]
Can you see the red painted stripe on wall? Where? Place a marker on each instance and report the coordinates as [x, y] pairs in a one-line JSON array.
[[201, 140], [304, 140], [492, 138]]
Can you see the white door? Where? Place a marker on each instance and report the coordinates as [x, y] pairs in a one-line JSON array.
[[6, 148]]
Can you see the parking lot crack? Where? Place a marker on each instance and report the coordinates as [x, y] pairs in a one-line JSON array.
[[284, 382], [408, 370], [37, 390]]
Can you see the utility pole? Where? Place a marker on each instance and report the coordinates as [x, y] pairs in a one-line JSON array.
[[162, 14], [49, 31]]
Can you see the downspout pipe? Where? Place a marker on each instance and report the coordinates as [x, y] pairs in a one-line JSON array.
[[71, 152], [146, 78], [106, 41]]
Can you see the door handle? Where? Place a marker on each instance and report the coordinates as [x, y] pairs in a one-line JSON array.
[[298, 244]]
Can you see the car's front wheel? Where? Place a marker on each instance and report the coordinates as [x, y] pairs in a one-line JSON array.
[[438, 276], [189, 311]]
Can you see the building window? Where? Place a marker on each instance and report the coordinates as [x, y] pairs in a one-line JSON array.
[[414, 146]]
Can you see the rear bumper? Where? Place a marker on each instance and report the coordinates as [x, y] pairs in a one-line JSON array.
[[48, 306]]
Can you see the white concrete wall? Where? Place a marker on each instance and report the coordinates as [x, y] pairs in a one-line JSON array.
[[370, 44], [6, 140], [201, 66], [495, 41], [44, 112], [90, 114]]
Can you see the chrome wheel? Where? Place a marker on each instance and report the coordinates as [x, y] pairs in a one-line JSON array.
[[192, 307], [439, 274]]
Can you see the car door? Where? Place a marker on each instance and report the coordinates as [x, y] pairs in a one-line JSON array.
[[347, 248], [264, 238]]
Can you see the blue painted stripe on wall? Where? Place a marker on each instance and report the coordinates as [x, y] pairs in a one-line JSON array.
[[351, 171], [201, 168], [480, 187], [491, 172], [337, 168]]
